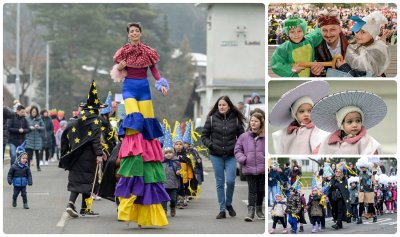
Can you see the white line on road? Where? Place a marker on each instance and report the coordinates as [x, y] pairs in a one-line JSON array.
[[389, 223], [38, 193], [62, 220]]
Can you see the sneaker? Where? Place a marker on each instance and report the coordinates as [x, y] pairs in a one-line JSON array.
[[90, 213], [26, 206], [41, 162], [14, 203], [38, 169], [46, 163], [272, 231], [221, 215], [392, 212], [231, 211], [285, 231], [71, 210], [319, 227]]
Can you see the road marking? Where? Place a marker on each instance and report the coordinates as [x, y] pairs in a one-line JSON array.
[[378, 221], [389, 223], [241, 185], [65, 216]]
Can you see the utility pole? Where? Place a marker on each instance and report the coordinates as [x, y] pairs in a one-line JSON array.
[[17, 78]]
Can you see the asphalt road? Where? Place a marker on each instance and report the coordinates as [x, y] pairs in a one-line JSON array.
[[48, 197]]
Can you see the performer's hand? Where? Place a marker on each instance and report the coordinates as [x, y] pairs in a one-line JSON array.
[[297, 68], [122, 65], [99, 159], [104, 156], [340, 62], [317, 68], [164, 91]]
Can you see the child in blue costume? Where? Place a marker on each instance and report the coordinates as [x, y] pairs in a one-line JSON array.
[[300, 48]]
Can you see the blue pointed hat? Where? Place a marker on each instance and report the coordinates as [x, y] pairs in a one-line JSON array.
[[163, 127], [187, 137], [20, 151], [109, 103], [178, 133], [167, 145]]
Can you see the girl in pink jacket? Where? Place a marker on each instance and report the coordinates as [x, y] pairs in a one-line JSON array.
[[293, 110], [347, 116]]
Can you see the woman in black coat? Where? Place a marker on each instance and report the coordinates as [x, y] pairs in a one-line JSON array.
[[223, 126], [340, 199]]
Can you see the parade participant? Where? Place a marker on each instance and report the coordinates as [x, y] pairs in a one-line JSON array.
[[315, 209], [339, 196], [367, 54], [278, 213], [300, 48], [140, 188], [20, 176], [250, 154], [393, 189], [328, 171], [34, 142], [194, 156], [293, 110], [389, 199], [18, 127], [334, 41], [56, 126], [186, 171], [108, 133], [348, 115], [172, 171], [80, 151], [366, 190], [353, 190], [302, 219], [273, 183], [293, 209], [223, 126]]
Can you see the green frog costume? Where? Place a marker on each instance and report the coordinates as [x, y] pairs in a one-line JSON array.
[[289, 52]]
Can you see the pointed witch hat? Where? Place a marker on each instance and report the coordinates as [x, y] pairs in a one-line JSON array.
[[93, 101]]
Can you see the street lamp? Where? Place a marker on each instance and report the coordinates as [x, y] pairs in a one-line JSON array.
[[47, 71], [17, 80]]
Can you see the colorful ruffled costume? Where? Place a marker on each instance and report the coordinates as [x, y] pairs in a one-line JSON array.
[[140, 188]]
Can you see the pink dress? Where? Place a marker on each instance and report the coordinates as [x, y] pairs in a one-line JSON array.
[[362, 144]]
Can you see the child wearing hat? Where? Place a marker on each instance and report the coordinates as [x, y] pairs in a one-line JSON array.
[[366, 54], [278, 213], [20, 176], [315, 209], [294, 207], [353, 190], [300, 48], [172, 172], [293, 110], [347, 116], [186, 170]]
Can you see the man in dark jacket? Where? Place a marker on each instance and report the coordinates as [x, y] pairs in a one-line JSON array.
[[18, 128], [81, 151], [334, 42], [7, 114]]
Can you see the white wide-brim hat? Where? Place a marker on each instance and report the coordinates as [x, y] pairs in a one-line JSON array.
[[324, 112], [281, 115]]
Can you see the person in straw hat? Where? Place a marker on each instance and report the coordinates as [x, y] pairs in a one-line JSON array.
[[366, 192], [81, 151], [366, 54], [293, 111], [347, 116]]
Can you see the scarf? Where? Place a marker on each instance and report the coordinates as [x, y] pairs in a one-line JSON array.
[[137, 56]]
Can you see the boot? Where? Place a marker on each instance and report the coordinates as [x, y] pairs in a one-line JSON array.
[[14, 203], [359, 220], [301, 229], [173, 211], [259, 213], [26, 206], [337, 226], [375, 219], [221, 215], [250, 214], [231, 211], [314, 229]]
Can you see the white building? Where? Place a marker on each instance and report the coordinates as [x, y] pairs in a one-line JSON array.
[[235, 54]]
